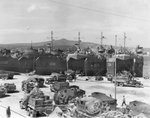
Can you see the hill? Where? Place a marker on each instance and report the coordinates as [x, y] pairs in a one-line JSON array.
[[62, 43]]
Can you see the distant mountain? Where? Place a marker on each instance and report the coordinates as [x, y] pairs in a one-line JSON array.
[[62, 43]]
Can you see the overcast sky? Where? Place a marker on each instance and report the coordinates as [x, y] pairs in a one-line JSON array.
[[25, 20]]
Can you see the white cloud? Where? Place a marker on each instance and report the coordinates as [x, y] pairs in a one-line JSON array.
[[16, 31], [32, 8]]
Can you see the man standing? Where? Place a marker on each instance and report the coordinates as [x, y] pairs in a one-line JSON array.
[[124, 101], [8, 112]]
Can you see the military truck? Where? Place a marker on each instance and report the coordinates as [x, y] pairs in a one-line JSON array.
[[106, 100], [87, 107], [109, 77], [71, 75], [125, 78], [36, 104], [138, 107], [10, 87], [121, 81], [6, 76], [99, 78], [68, 94], [58, 86], [39, 106], [28, 85], [36, 79], [2, 91], [94, 105], [55, 77]]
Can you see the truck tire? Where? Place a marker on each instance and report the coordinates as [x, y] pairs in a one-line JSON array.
[[117, 83], [77, 114], [28, 111], [21, 106], [120, 84], [137, 85], [33, 113]]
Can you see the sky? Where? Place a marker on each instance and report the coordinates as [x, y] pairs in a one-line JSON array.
[[23, 21]]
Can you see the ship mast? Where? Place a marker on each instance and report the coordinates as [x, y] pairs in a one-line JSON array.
[[31, 45], [102, 37], [52, 39], [125, 37], [51, 44], [79, 40]]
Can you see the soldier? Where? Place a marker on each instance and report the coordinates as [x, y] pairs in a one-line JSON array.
[[8, 112], [124, 101]]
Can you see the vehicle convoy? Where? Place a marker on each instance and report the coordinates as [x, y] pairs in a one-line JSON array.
[[28, 85], [36, 103], [2, 91], [125, 81], [94, 105], [132, 83], [55, 77], [10, 87], [6, 76], [125, 78]]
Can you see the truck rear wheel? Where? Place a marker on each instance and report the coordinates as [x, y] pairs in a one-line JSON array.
[[137, 85], [28, 111], [33, 113], [117, 84], [120, 84], [21, 105]]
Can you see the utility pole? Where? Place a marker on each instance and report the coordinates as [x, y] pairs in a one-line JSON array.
[[33, 60], [115, 64]]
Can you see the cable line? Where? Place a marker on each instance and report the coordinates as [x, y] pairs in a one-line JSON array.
[[99, 11]]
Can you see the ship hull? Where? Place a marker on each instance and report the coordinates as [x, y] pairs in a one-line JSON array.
[[49, 64], [9, 64], [133, 64], [90, 65]]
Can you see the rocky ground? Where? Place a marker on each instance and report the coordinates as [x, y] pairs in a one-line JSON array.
[[131, 93]]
